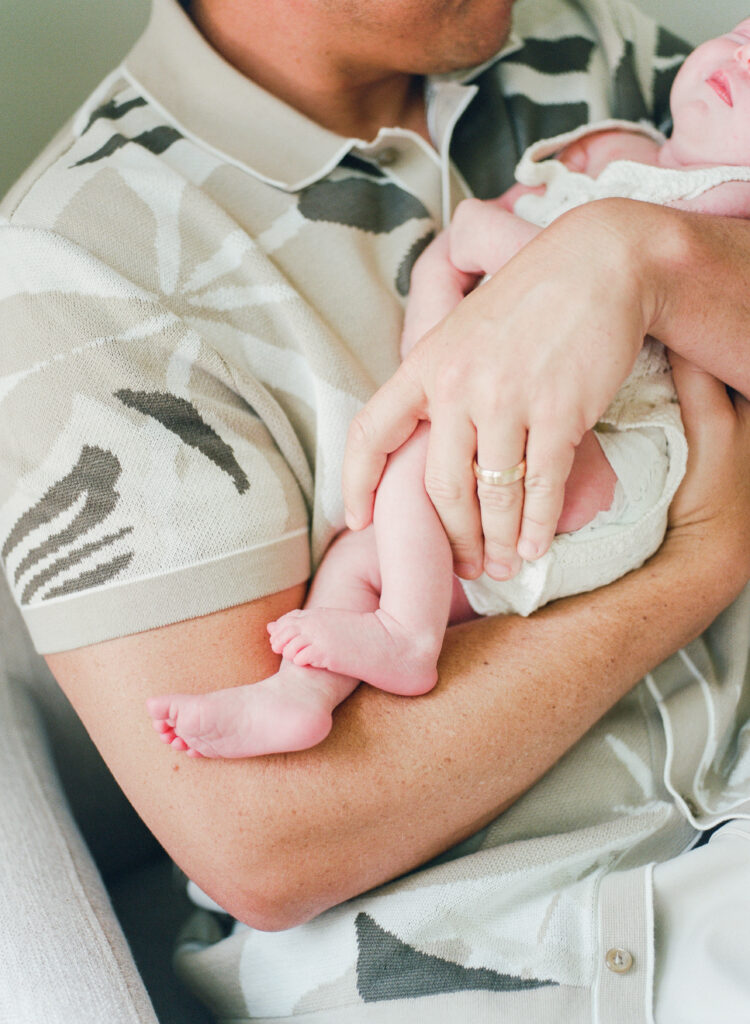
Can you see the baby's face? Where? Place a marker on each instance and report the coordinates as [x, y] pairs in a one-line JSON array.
[[710, 101]]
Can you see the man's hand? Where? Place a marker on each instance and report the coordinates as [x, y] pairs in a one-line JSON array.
[[522, 368], [714, 498]]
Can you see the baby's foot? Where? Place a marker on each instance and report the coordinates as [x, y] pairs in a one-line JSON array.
[[273, 716], [370, 646]]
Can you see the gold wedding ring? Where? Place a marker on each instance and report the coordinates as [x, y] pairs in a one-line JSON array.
[[500, 477]]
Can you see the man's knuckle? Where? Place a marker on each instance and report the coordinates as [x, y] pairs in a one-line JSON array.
[[450, 381], [539, 486], [496, 551], [535, 521], [362, 433], [441, 490], [496, 399], [464, 549], [409, 372], [498, 499]]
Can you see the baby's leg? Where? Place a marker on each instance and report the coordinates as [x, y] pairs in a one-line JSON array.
[[590, 488], [290, 710], [396, 646]]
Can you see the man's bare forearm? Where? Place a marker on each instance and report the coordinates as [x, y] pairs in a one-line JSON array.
[[514, 696], [276, 840], [706, 313], [695, 270]]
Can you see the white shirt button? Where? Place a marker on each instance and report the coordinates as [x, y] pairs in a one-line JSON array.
[[619, 960]]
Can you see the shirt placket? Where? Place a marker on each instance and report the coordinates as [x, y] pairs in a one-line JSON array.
[[624, 979], [425, 170]]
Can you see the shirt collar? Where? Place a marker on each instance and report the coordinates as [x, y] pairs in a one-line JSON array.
[[178, 71]]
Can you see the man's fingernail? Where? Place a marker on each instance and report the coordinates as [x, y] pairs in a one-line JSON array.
[[499, 570], [466, 570], [528, 550]]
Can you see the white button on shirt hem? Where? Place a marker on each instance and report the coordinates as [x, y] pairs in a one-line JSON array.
[[618, 960]]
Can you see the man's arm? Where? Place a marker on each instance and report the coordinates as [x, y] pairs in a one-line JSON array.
[[576, 303], [278, 839]]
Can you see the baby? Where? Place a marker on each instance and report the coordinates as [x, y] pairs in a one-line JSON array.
[[381, 599]]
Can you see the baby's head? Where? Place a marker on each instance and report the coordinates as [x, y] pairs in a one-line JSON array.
[[710, 101]]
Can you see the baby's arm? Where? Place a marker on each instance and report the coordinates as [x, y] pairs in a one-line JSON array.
[[436, 288], [482, 237], [730, 199], [591, 153]]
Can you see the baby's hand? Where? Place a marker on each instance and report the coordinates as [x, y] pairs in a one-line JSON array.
[[437, 287], [484, 235]]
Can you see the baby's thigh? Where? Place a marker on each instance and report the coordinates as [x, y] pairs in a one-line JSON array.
[[590, 487]]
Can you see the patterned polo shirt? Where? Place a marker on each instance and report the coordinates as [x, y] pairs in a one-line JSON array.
[[198, 289]]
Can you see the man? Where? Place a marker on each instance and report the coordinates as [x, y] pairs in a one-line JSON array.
[[217, 287]]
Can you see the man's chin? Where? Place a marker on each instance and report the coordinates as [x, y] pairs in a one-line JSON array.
[[457, 58], [469, 50]]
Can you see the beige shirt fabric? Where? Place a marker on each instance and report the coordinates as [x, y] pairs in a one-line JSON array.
[[198, 288], [198, 334]]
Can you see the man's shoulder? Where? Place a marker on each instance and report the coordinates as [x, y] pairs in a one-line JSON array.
[[114, 116]]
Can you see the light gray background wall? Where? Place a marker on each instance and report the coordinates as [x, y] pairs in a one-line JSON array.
[[53, 53]]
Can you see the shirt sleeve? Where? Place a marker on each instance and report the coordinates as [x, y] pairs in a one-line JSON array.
[[141, 478]]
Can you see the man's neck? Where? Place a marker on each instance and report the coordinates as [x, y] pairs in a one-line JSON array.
[[298, 63]]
